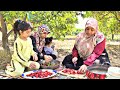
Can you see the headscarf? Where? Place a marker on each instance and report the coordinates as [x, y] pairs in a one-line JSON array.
[[43, 28], [85, 45], [41, 42]]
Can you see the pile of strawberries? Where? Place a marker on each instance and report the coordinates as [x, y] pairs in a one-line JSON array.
[[40, 74], [71, 71]]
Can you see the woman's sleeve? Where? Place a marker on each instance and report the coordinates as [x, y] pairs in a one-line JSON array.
[[99, 48], [19, 55], [74, 52], [40, 55], [34, 44]]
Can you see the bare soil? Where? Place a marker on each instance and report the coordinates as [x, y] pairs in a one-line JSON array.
[[64, 48]]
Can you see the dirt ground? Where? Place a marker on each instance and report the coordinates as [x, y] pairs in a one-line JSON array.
[[112, 47], [64, 48]]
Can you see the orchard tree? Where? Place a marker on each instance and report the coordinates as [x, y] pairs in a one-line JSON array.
[[7, 19], [109, 21], [61, 23]]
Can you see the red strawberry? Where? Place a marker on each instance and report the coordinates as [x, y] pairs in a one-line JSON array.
[[102, 76], [92, 76]]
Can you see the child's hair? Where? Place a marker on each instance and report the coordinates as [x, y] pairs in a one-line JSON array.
[[48, 40], [21, 25]]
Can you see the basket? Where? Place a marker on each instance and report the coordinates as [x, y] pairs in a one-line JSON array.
[[54, 64]]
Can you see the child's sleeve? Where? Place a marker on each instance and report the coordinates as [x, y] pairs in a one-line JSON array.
[[31, 49], [96, 53], [18, 54]]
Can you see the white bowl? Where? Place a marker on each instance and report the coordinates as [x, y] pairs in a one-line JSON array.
[[114, 72]]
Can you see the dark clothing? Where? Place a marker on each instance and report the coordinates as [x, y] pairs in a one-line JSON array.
[[67, 62], [99, 48], [40, 55]]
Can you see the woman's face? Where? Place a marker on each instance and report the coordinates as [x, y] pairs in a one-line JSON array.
[[90, 31], [43, 35]]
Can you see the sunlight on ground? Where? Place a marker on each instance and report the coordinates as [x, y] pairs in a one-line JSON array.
[[66, 44]]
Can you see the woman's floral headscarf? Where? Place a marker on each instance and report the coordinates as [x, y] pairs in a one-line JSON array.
[[41, 42], [43, 28], [84, 45]]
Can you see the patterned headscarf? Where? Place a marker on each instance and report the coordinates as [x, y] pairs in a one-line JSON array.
[[41, 42], [43, 28], [85, 45]]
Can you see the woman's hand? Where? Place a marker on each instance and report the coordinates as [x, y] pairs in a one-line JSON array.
[[74, 60], [32, 65], [35, 57], [47, 58], [83, 68]]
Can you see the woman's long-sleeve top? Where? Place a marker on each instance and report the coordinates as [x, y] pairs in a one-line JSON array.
[[99, 48]]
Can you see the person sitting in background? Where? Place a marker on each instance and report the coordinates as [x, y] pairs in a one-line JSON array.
[[48, 49], [89, 46], [38, 42]]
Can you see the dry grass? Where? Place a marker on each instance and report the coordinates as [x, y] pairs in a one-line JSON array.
[[4, 59]]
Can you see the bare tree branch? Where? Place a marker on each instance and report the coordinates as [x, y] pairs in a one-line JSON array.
[[9, 33]]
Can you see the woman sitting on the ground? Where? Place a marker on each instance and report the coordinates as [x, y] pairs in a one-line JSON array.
[[89, 47], [38, 41]]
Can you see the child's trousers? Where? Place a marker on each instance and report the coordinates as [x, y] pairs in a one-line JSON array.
[[16, 68]]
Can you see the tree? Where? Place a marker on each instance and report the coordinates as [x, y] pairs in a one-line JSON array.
[[60, 22], [8, 17], [4, 34], [109, 21]]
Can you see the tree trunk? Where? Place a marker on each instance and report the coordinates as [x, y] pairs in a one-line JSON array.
[[4, 35], [25, 18], [0, 29], [112, 36]]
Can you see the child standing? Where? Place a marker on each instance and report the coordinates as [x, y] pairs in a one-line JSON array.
[[23, 50]]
